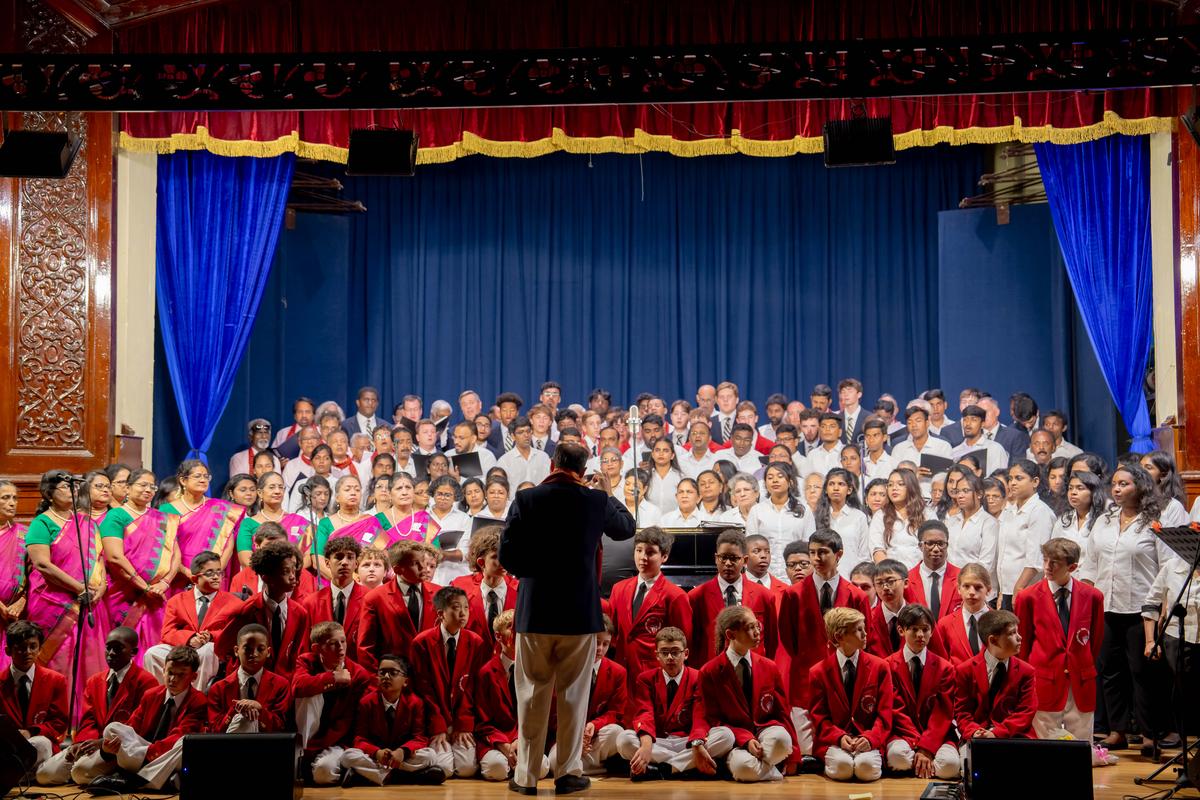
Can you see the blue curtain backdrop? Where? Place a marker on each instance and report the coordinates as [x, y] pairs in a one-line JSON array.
[[218, 224], [1099, 194]]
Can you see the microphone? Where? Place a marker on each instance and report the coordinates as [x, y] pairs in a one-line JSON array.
[[634, 420]]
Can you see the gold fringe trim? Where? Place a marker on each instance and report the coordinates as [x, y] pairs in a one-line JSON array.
[[643, 142]]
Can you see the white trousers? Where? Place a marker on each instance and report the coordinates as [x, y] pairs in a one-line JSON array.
[[1077, 723], [131, 757], [308, 717], [900, 757], [777, 746], [55, 770], [673, 750], [549, 665], [360, 762], [604, 747], [154, 661], [455, 761], [803, 726], [841, 766], [494, 767]]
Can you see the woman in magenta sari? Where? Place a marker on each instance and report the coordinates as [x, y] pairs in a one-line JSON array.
[[205, 523], [64, 582], [270, 509], [141, 558], [12, 561], [405, 519], [347, 519]]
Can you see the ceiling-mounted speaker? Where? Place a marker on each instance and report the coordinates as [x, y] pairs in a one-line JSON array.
[[38, 154], [859, 142], [382, 151]]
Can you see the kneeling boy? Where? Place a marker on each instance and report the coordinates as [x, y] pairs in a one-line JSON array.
[[253, 699], [923, 718]]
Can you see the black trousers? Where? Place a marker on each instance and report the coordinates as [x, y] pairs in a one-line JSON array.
[[1186, 686], [1135, 689]]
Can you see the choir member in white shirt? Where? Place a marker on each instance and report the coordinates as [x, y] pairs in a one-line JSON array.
[[775, 407], [609, 463], [876, 464], [974, 533], [474, 499], [466, 441], [919, 442], [299, 469], [360, 451], [852, 463], [995, 497], [937, 412], [744, 495], [973, 439], [686, 513], [1055, 421], [742, 453], [875, 496], [713, 501], [322, 466], [1041, 447], [644, 512], [524, 462], [1161, 467], [664, 475], [343, 463], [259, 436], [782, 516], [700, 457], [1027, 524], [810, 490], [828, 454], [497, 492], [839, 509], [1087, 500], [302, 417], [893, 530], [789, 437], [652, 431], [446, 493]]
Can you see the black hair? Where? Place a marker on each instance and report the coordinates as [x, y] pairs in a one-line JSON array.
[[446, 595], [828, 537], [1170, 483], [821, 390], [823, 510], [656, 536], [23, 629], [794, 506], [914, 614], [270, 557], [571, 457], [46, 486], [202, 558]]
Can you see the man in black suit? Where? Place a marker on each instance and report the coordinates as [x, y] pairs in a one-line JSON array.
[[364, 420], [850, 391], [551, 542], [722, 421]]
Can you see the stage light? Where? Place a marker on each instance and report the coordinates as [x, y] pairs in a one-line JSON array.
[[382, 151], [38, 154], [859, 141]]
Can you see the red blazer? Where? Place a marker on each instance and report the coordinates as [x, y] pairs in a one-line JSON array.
[[273, 693], [653, 716], [97, 712], [495, 708], [312, 679], [319, 606], [879, 635], [1012, 715], [665, 604], [247, 579], [190, 717], [47, 713], [923, 718], [868, 713], [1063, 661], [372, 732], [477, 620], [725, 703], [952, 642], [385, 626], [232, 618], [608, 701], [778, 587], [948, 591], [707, 602], [761, 443], [802, 638], [450, 697], [179, 616]]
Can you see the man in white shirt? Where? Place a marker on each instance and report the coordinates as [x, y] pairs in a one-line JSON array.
[[821, 398], [723, 421], [776, 406], [652, 431], [876, 463], [829, 454], [426, 443], [364, 421], [742, 454], [550, 395], [302, 417], [919, 442], [1041, 447], [259, 432], [466, 441], [850, 393], [700, 457], [299, 469], [1055, 421], [973, 440], [939, 424], [524, 462]]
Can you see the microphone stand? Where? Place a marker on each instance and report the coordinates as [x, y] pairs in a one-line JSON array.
[[85, 602], [634, 421]]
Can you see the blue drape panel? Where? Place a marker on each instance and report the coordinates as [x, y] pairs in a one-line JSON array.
[[218, 225], [1100, 197]]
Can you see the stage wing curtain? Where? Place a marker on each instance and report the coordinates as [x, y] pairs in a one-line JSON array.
[[218, 225], [1100, 197]]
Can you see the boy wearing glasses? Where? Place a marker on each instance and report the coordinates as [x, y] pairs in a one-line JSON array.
[[730, 588], [934, 582], [883, 622], [188, 620]]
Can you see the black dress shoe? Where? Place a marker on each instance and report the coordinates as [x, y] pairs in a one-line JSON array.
[[426, 776], [1170, 742], [650, 773], [811, 765], [569, 784], [513, 786], [117, 783]]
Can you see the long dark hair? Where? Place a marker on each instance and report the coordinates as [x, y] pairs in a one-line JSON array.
[[823, 510], [914, 506], [1095, 464], [1150, 501], [794, 506], [722, 493], [1170, 483], [167, 488], [947, 502], [1097, 505]]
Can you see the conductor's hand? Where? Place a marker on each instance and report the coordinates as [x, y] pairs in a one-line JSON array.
[[600, 481]]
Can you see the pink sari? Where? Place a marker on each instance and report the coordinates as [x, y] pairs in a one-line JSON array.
[[412, 528], [212, 526], [301, 532], [150, 547], [366, 531], [57, 611], [12, 571]]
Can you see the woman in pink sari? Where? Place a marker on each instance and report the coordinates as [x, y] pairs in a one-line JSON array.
[[141, 558], [12, 561], [64, 582], [205, 523], [347, 519], [270, 509], [406, 520]]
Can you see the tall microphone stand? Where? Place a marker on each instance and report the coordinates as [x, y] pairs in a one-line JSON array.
[[85, 602], [634, 421]]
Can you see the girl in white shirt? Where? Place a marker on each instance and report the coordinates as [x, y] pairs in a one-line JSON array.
[[893, 531], [995, 497], [1086, 501], [874, 496], [1161, 467], [644, 512], [664, 475], [782, 517], [839, 510], [446, 492], [474, 499], [497, 493], [686, 514], [973, 531], [1024, 528]]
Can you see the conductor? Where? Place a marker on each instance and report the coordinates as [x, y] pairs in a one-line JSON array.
[[551, 542]]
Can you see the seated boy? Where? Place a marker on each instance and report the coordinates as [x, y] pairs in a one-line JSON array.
[[883, 625], [496, 707], [252, 699], [327, 689], [34, 697], [668, 716], [729, 588], [148, 750], [959, 632], [490, 590], [607, 701], [391, 745], [395, 612], [247, 582], [797, 561], [745, 698], [188, 620], [995, 695], [445, 660], [851, 694], [758, 564], [924, 740], [373, 568], [111, 695], [342, 600]]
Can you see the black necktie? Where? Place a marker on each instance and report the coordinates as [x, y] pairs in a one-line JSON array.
[[277, 631], [638, 598], [389, 712], [848, 673], [451, 654], [1064, 612], [998, 676], [973, 635], [164, 720], [113, 685], [826, 598], [935, 596], [339, 611], [23, 692], [894, 634], [414, 607], [917, 669], [672, 690], [730, 596], [493, 610], [747, 683], [201, 611]]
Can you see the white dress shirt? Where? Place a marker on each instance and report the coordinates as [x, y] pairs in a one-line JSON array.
[[486, 461], [675, 519], [907, 451], [903, 545], [748, 463], [873, 470], [647, 514], [692, 466], [1124, 564], [661, 491], [532, 468], [1166, 587], [1174, 515], [1068, 528], [973, 540], [822, 460], [997, 456], [927, 584], [781, 527], [854, 528], [738, 588], [1023, 531], [801, 463]]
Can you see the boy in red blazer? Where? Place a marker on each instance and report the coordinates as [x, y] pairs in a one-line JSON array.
[[496, 707], [851, 701], [111, 695], [730, 588], [188, 620], [373, 568], [796, 560], [445, 661], [745, 699], [148, 751], [1061, 621], [646, 603], [924, 741], [327, 689], [252, 699], [342, 600], [758, 565], [34, 697], [607, 704], [394, 613], [883, 626], [391, 743], [278, 564], [934, 582], [490, 589], [958, 633], [247, 582], [666, 709], [802, 638], [995, 693]]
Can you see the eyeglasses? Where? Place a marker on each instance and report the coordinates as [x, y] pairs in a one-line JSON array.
[[673, 652], [886, 583], [729, 559], [210, 573], [142, 485], [388, 672], [936, 544], [260, 428], [201, 476]]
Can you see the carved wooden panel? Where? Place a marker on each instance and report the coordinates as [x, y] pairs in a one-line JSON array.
[[1188, 450]]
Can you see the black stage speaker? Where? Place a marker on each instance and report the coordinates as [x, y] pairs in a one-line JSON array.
[[382, 151], [1001, 769], [263, 764], [38, 154], [857, 142], [13, 767]]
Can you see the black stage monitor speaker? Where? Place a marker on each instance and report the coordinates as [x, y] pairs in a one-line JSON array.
[[382, 151], [13, 769], [862, 141], [38, 154], [263, 764], [1001, 769]]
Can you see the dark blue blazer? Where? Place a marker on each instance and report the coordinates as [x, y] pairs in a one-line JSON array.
[[854, 436], [952, 433], [551, 542], [1014, 440], [350, 426], [714, 426]]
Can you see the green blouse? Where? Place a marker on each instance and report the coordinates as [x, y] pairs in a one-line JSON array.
[[114, 524], [42, 530]]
